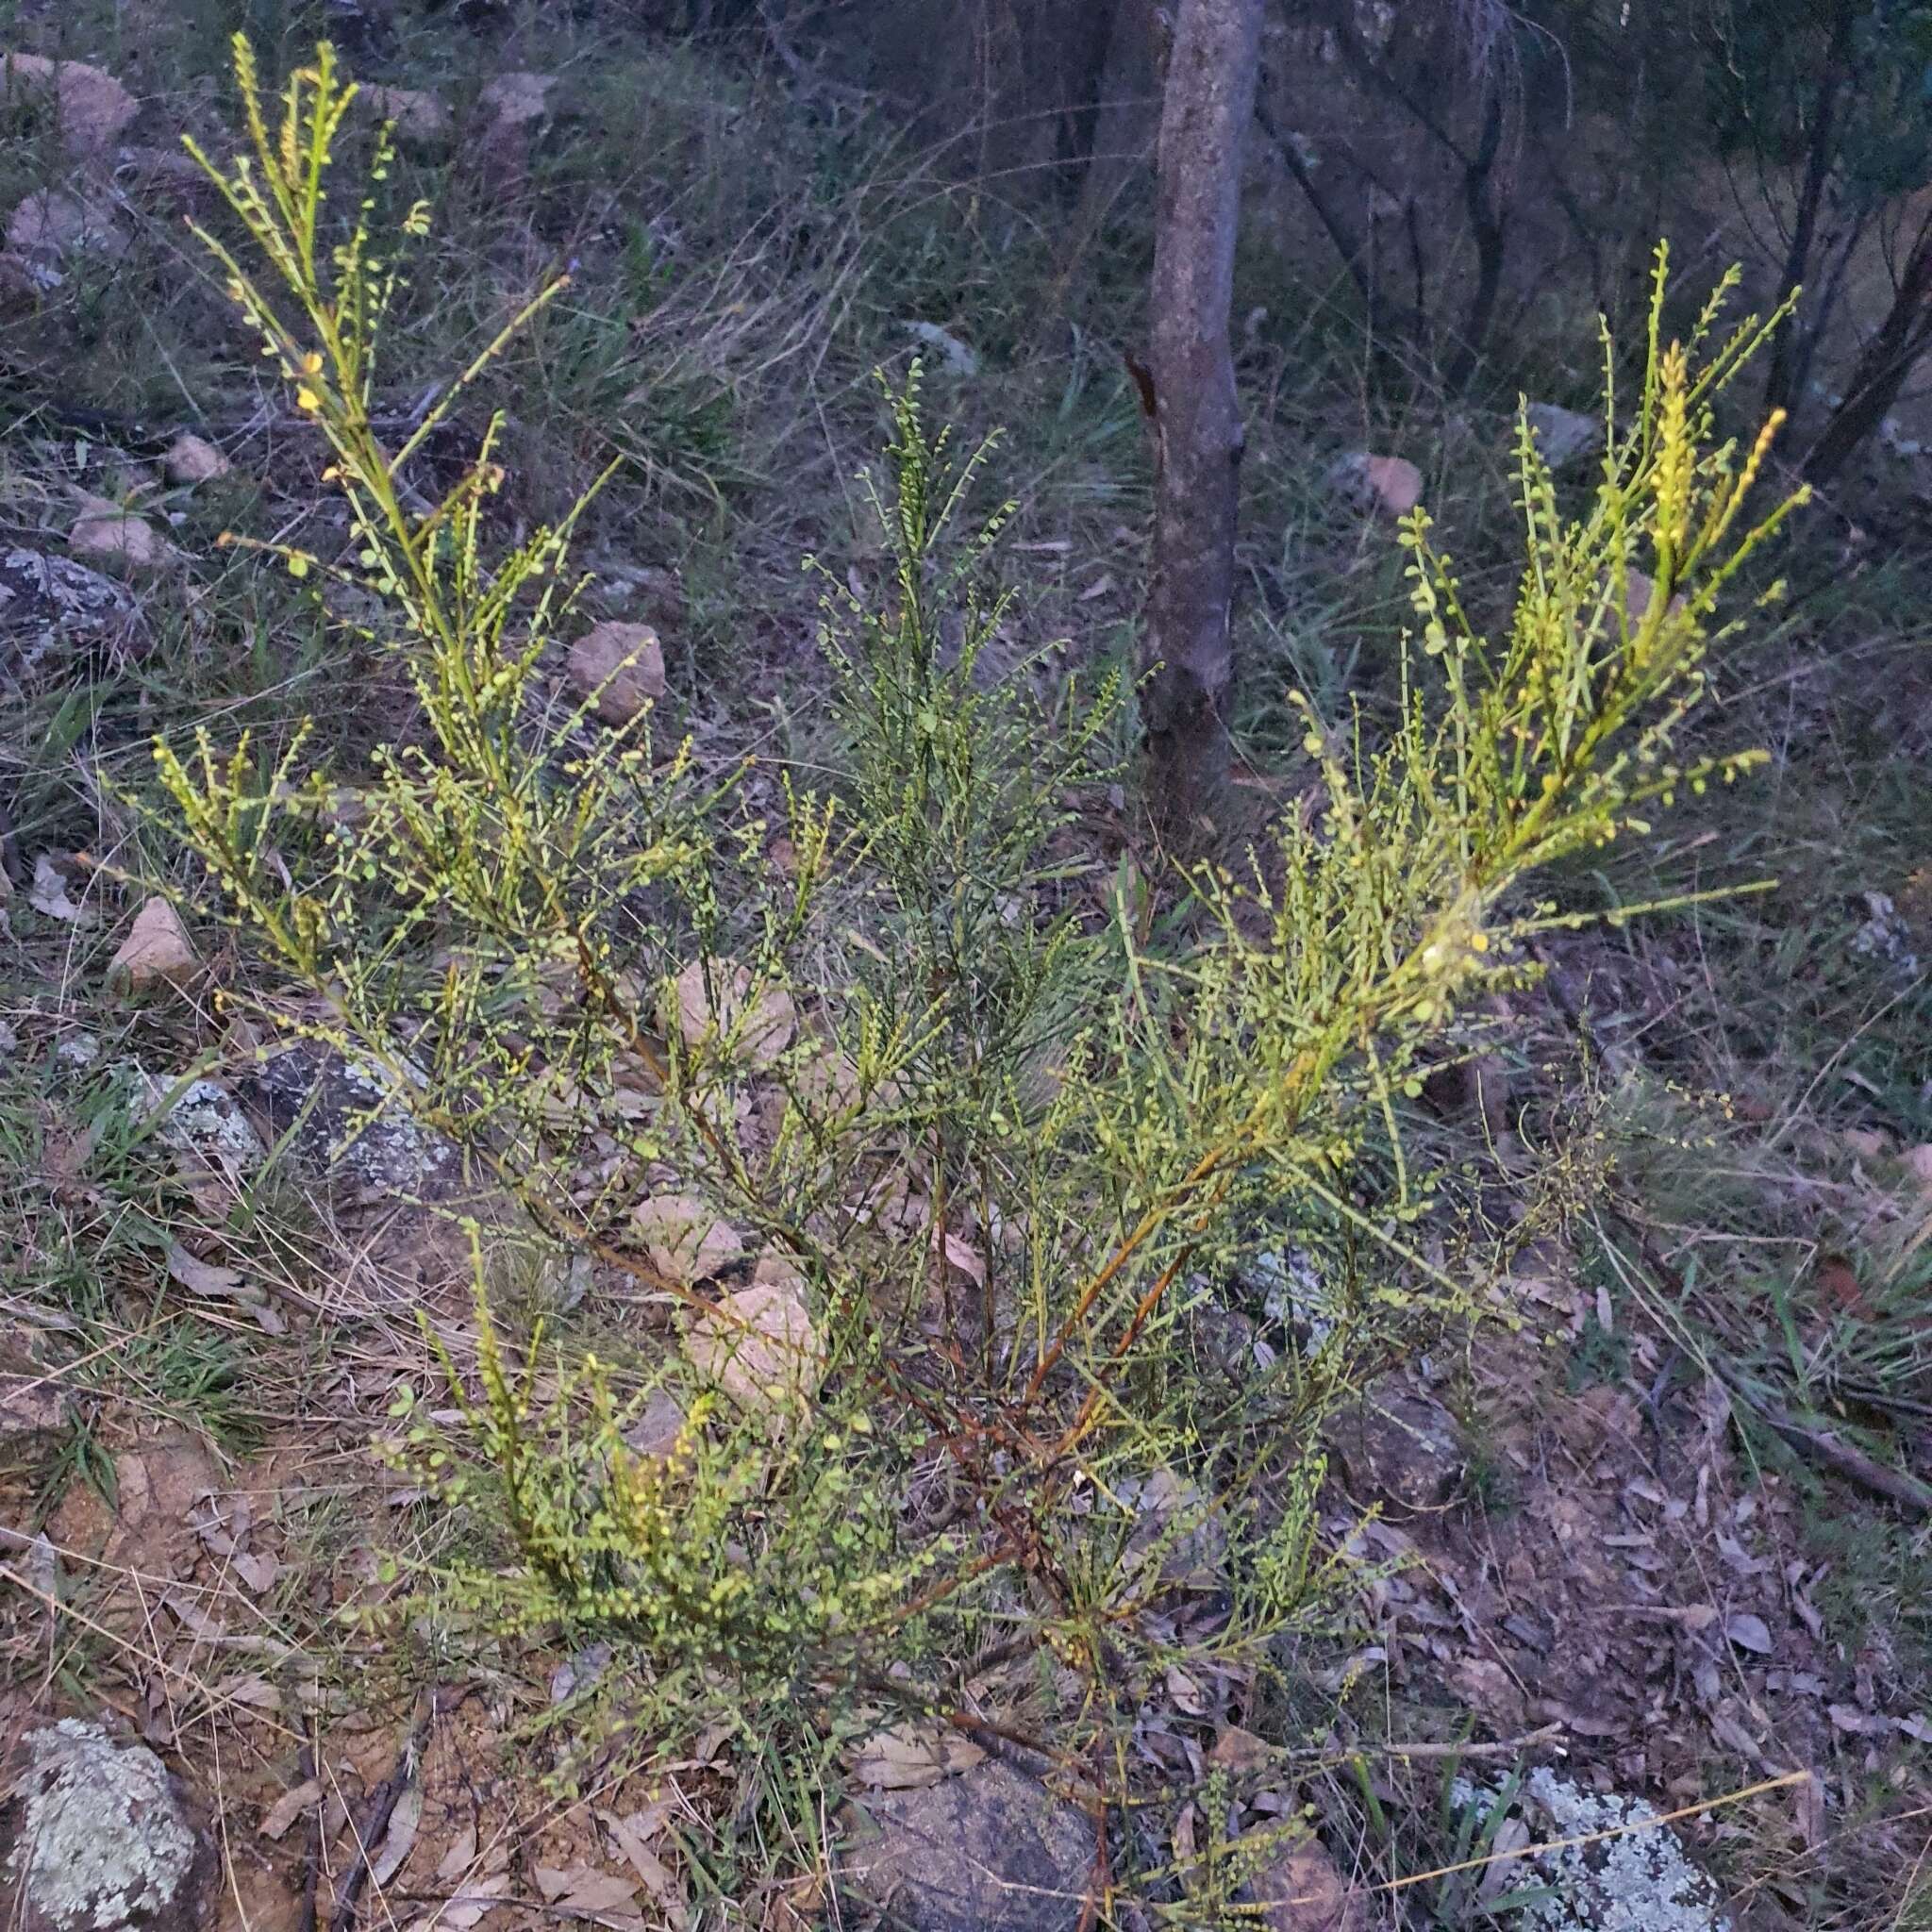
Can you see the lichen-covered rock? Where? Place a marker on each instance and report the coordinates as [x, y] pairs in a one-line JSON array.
[[343, 1119], [1633, 1880], [100, 1837], [203, 1120], [988, 1851], [47, 602]]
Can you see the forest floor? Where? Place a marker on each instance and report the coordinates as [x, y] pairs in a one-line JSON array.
[[1659, 1523]]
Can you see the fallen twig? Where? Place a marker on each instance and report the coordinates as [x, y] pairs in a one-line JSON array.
[[1822, 1444], [1826, 1446], [1501, 1747], [312, 1849], [375, 1820]]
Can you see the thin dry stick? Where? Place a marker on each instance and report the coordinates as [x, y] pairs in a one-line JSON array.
[[370, 1831], [1589, 1837], [217, 1701], [1501, 1747]]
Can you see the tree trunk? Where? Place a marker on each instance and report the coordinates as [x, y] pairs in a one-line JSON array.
[[1081, 95], [1487, 229], [1206, 105], [1882, 370], [1780, 383]]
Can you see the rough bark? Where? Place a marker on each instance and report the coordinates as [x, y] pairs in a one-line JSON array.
[[1781, 381], [1488, 227], [1882, 370], [1206, 105]]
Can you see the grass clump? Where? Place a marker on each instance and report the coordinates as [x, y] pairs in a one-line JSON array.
[[938, 1145]]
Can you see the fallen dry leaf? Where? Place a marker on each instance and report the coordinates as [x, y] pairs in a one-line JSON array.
[[156, 951], [1748, 1631], [911, 1755], [252, 1689], [208, 1277], [1837, 1285], [1188, 1698], [386, 1860], [715, 1001], [256, 1573], [586, 1890], [962, 1258], [49, 895], [632, 1836], [684, 1237], [296, 1803], [477, 1897], [460, 1856], [760, 1348]]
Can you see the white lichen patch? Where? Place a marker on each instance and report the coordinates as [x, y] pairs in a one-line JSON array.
[[206, 1119], [102, 1843], [1638, 1879]]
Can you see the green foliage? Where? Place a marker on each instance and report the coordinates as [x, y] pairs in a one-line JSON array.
[[990, 1137], [670, 1546]]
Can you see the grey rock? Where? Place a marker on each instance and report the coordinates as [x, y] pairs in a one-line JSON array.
[[1400, 1447], [100, 1837], [344, 1120], [46, 602], [958, 356], [988, 1851], [1563, 434], [1635, 1880]]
